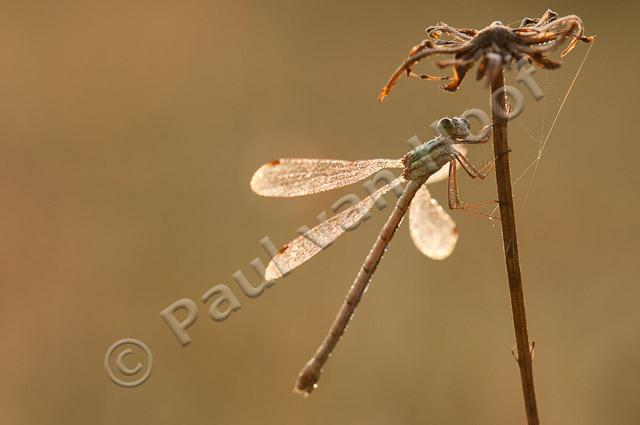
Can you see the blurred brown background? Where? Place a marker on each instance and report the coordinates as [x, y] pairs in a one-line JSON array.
[[130, 130]]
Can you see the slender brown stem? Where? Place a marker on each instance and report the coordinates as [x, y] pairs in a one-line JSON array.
[[510, 241]]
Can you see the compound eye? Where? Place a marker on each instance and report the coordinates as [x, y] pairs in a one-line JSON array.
[[446, 124], [465, 126], [446, 127]]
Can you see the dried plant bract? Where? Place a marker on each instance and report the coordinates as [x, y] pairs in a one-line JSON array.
[[494, 48]]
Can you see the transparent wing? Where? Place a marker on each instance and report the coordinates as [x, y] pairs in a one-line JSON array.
[[297, 177], [310, 243], [433, 231], [443, 173]]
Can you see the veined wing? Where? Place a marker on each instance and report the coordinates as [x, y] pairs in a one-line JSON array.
[[433, 231], [313, 241], [297, 177]]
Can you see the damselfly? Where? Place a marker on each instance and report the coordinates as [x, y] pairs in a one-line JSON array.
[[431, 228]]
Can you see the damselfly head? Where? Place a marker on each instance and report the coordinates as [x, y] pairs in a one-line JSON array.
[[455, 127]]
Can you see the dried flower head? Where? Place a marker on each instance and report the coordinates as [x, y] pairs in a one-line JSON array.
[[494, 47]]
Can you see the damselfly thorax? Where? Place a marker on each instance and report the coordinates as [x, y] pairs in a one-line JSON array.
[[427, 159]]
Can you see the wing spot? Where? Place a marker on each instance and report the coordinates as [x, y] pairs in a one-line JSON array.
[[283, 249], [273, 163]]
